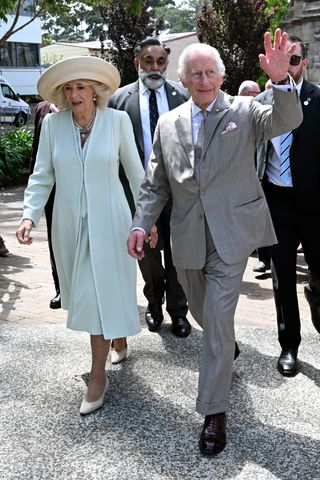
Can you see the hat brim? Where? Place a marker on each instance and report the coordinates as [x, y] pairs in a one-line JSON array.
[[77, 68]]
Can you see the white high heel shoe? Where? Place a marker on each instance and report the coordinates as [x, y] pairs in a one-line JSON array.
[[89, 407], [117, 357]]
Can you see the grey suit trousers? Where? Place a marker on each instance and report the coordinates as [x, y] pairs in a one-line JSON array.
[[213, 294]]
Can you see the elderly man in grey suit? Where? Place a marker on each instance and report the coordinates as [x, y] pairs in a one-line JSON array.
[[203, 156]]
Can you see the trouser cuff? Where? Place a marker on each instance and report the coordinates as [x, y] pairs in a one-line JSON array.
[[211, 408]]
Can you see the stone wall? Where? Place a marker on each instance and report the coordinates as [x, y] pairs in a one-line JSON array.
[[303, 19]]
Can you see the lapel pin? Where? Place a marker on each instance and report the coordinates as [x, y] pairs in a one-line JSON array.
[[306, 102], [174, 93], [217, 110]]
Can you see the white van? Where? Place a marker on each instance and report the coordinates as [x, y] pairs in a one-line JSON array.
[[12, 108]]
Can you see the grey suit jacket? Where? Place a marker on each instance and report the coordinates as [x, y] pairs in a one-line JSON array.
[[229, 196]]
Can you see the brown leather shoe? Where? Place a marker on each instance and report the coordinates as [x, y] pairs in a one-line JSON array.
[[213, 436]]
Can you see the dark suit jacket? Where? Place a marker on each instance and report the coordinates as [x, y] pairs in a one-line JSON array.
[[41, 111], [305, 149], [127, 98]]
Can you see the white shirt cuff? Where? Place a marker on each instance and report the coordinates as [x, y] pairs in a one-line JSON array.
[[138, 228]]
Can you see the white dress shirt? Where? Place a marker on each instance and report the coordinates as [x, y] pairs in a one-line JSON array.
[[273, 164], [163, 106], [197, 118]]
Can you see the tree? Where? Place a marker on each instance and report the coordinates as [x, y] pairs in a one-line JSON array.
[[125, 30], [84, 23], [236, 29], [179, 19], [80, 24], [43, 8], [277, 10]]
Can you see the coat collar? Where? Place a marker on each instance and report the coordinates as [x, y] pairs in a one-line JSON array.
[[218, 111], [306, 96], [184, 128], [184, 124]]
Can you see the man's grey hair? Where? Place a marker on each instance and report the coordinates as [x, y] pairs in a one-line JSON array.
[[199, 48], [248, 85]]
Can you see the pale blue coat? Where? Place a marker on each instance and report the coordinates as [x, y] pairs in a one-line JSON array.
[[94, 183]]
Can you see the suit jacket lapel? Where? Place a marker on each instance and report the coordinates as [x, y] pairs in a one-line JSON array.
[[306, 97], [220, 108], [173, 96], [184, 129], [133, 109]]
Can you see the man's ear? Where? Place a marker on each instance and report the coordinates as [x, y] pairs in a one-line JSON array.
[[136, 63], [183, 83]]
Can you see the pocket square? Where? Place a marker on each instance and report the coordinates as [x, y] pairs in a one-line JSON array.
[[229, 127]]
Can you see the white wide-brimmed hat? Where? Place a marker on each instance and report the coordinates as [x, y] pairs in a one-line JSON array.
[[77, 68]]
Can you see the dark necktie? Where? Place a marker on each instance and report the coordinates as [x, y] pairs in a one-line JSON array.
[[198, 146], [153, 112], [285, 170]]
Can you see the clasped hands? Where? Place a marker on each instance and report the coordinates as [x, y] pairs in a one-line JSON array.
[[136, 241]]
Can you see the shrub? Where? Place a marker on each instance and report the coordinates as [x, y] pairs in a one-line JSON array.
[[15, 153]]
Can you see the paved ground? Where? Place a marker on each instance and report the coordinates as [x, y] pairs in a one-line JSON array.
[[147, 428], [26, 284]]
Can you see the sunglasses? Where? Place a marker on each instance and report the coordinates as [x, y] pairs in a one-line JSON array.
[[295, 60]]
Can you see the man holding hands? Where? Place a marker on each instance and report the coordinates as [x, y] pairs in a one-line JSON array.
[[203, 157]]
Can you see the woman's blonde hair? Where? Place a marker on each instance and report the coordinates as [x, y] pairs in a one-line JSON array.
[[101, 94]]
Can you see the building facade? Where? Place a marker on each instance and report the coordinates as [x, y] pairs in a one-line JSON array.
[[303, 19], [20, 61]]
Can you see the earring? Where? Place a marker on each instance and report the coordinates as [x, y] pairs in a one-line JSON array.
[[94, 98]]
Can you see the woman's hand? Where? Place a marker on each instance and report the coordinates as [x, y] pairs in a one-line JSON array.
[[23, 232], [152, 237]]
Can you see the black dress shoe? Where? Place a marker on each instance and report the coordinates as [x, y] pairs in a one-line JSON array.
[[236, 351], [154, 317], [180, 326], [56, 301], [213, 435], [314, 304], [288, 363]]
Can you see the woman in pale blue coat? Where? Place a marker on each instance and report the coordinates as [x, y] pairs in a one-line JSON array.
[[80, 149]]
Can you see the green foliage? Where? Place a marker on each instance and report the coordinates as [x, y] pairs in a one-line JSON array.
[[276, 10], [80, 24], [125, 30], [53, 9], [179, 19], [15, 153], [6, 7]]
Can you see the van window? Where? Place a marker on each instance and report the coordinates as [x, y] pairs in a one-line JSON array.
[[7, 92]]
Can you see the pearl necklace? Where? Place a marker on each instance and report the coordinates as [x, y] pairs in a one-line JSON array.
[[84, 131]]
